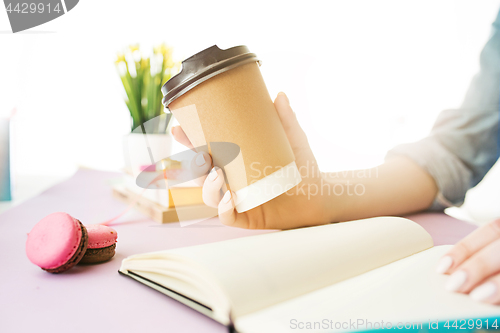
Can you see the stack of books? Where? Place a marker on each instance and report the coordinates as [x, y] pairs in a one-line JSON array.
[[158, 200]]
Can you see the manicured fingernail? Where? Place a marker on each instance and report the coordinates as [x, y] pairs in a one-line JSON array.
[[484, 291], [455, 281], [286, 97], [200, 159], [444, 264], [213, 174], [227, 197]]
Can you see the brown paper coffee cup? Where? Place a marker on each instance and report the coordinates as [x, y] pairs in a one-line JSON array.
[[231, 116]]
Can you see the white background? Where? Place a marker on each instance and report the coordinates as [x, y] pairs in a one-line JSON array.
[[362, 76]]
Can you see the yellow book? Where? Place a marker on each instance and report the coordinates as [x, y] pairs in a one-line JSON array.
[[186, 195], [165, 214]]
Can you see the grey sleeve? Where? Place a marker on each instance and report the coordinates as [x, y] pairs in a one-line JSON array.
[[464, 143]]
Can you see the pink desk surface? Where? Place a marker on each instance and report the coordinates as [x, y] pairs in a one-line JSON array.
[[96, 298]]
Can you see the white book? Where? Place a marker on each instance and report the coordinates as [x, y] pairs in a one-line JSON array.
[[378, 269], [156, 191]]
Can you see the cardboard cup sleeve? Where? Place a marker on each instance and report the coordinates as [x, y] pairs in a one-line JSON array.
[[232, 117]]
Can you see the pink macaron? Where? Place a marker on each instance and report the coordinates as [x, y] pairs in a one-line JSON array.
[[102, 244], [57, 242]]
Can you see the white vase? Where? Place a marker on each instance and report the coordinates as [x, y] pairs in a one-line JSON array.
[[145, 149]]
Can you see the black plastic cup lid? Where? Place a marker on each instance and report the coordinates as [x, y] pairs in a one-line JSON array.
[[203, 66]]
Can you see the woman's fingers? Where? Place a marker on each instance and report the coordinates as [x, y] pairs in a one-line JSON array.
[[228, 214], [294, 132], [181, 137], [200, 165], [471, 244], [488, 291], [477, 268], [212, 187]]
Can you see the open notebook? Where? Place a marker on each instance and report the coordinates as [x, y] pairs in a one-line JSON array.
[[374, 269]]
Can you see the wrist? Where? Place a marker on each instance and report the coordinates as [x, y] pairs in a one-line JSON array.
[[333, 196]]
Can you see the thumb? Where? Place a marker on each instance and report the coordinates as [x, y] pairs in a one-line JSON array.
[[295, 133]]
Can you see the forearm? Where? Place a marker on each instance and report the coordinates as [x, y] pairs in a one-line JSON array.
[[397, 187]]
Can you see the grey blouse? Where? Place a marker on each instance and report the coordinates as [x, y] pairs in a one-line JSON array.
[[464, 143]]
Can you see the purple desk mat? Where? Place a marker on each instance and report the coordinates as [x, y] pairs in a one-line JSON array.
[[96, 298]]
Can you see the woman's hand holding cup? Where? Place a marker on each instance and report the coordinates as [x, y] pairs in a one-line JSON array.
[[296, 208]]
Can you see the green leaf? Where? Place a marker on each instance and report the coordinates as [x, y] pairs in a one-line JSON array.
[[144, 90]]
